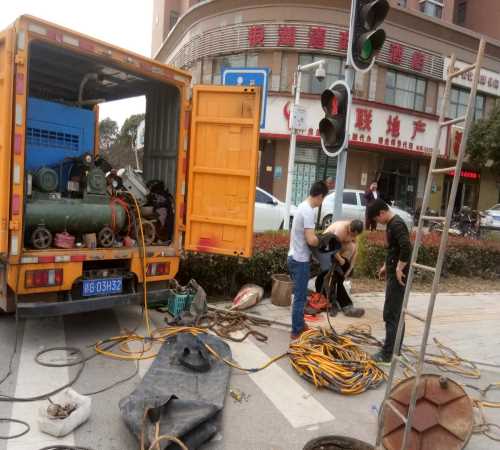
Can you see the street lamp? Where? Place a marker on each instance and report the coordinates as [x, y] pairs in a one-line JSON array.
[[297, 116]]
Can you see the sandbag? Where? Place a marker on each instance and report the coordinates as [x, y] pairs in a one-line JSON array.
[[185, 402], [249, 295]]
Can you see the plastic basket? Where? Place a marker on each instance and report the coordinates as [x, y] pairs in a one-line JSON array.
[[178, 303]]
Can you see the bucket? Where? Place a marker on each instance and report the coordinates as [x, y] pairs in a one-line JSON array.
[[337, 443], [281, 293]]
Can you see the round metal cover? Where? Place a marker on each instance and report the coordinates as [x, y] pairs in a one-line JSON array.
[[337, 443], [443, 416]]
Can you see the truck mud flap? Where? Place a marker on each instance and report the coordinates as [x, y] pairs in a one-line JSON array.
[[45, 309]]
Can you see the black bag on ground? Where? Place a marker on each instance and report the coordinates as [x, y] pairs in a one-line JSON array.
[[184, 401]]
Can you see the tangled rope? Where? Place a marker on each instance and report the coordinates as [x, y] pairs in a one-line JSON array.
[[334, 362]]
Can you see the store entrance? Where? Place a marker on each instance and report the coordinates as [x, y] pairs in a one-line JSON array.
[[397, 183]]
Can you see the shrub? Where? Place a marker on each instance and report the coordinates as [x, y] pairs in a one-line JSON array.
[[224, 275]]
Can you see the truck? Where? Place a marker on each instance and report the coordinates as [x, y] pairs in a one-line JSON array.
[[200, 143]]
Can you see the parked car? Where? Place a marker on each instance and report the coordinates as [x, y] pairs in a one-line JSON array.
[[491, 218], [269, 212], [353, 207]]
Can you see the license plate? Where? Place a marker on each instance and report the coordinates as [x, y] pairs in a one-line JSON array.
[[105, 286]]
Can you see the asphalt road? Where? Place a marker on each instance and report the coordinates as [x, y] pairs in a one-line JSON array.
[[280, 411]]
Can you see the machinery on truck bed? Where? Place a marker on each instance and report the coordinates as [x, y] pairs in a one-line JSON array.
[[70, 224]]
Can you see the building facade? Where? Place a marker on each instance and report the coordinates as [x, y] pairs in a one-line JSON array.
[[395, 110]]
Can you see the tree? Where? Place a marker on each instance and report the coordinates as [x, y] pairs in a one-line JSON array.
[[108, 132], [483, 145], [128, 131]]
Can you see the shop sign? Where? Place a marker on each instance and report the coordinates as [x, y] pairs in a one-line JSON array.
[[489, 81], [373, 126], [467, 174]]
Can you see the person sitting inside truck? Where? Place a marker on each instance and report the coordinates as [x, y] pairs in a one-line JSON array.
[[336, 264]]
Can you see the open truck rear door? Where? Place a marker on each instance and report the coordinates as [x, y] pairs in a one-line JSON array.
[[7, 38], [223, 158]]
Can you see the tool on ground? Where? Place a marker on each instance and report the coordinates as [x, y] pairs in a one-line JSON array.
[[388, 404], [249, 295]]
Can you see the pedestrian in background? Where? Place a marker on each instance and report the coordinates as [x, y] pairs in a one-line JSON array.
[[394, 270], [370, 195], [302, 236], [330, 184]]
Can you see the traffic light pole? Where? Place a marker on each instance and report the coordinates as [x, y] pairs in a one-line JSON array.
[[342, 158]]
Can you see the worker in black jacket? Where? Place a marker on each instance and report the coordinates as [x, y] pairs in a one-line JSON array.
[[394, 270]]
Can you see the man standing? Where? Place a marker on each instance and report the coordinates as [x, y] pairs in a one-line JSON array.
[[395, 270], [330, 184], [370, 195], [338, 263], [299, 256]]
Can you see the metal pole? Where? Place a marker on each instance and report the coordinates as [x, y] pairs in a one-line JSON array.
[[342, 158], [291, 153]]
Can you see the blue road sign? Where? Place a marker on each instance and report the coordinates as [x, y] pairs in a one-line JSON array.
[[249, 76]]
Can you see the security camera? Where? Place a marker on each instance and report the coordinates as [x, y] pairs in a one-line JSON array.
[[320, 73]]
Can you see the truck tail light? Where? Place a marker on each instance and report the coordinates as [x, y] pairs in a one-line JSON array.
[[155, 270], [43, 278]]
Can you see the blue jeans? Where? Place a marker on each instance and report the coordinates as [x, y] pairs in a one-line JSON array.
[[299, 271]]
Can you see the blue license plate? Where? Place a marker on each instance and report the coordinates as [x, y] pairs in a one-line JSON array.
[[105, 286]]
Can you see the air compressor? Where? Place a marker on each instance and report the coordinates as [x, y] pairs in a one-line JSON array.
[[87, 204]]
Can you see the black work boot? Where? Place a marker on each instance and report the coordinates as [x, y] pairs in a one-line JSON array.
[[351, 311], [382, 357]]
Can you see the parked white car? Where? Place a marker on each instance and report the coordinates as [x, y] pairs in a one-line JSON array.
[[491, 219], [353, 207], [269, 212]]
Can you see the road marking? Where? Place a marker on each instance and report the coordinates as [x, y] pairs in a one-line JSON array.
[[291, 399], [33, 380]]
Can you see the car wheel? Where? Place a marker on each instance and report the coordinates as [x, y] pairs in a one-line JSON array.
[[327, 221]]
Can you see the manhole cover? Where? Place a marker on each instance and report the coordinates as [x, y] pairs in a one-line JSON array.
[[337, 443], [443, 417]]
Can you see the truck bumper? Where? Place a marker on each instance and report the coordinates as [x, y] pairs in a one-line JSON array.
[[62, 308]]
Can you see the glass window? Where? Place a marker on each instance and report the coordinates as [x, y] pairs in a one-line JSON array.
[[334, 67], [458, 103], [174, 17], [461, 13], [350, 198], [260, 197], [432, 8], [235, 60], [405, 90]]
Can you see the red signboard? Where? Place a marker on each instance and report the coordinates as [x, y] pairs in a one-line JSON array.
[[343, 40], [363, 119], [417, 61], [467, 174]]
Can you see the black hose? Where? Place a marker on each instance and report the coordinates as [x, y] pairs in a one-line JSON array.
[[22, 433], [73, 350]]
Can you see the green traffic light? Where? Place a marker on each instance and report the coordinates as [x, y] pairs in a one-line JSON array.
[[366, 50]]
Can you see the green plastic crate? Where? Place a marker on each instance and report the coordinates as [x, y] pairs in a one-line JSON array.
[[178, 303]]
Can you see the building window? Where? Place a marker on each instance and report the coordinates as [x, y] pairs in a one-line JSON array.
[[236, 60], [432, 8], [461, 13], [174, 17], [458, 103], [334, 67], [404, 90]]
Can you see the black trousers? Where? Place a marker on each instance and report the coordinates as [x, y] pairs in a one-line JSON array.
[[337, 291], [394, 294]]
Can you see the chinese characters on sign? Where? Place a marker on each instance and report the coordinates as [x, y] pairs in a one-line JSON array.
[[363, 119], [417, 61], [396, 53], [393, 126], [344, 40], [418, 127], [286, 36], [256, 36], [317, 36]]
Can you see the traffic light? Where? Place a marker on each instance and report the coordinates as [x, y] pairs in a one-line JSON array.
[[336, 103], [367, 38]]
